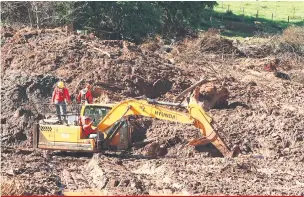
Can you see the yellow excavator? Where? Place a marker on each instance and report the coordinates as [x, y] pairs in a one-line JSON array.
[[114, 131]]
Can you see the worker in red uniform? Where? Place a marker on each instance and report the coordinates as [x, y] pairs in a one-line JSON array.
[[87, 127], [85, 95], [60, 98]]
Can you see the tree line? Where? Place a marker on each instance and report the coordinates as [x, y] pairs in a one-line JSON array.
[[127, 20]]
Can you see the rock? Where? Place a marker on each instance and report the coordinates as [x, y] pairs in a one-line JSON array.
[[124, 183], [152, 149], [171, 61], [252, 83], [3, 120], [162, 151], [8, 34], [286, 150], [299, 138]]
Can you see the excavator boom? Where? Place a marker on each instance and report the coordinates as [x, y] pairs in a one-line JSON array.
[[196, 116]]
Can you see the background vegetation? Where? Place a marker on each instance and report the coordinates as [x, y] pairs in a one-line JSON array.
[[138, 20]]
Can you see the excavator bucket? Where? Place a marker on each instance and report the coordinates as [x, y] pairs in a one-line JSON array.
[[204, 123]]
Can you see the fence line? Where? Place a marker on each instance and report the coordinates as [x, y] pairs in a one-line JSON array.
[[287, 18]]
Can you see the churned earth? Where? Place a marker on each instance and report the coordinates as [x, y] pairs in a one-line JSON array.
[[265, 115]]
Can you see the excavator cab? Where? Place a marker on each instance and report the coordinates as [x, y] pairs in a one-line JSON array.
[[122, 139], [96, 112]]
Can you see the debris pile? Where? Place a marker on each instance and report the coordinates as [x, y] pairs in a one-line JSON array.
[[75, 57], [260, 113], [118, 68]]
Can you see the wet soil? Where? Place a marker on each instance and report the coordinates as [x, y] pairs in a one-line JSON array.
[[264, 116]]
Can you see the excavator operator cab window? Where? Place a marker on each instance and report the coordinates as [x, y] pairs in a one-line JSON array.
[[97, 112]]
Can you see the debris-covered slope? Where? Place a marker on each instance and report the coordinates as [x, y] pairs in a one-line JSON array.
[[264, 116], [33, 61]]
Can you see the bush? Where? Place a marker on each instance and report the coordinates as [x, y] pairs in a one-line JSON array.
[[136, 20], [293, 37]]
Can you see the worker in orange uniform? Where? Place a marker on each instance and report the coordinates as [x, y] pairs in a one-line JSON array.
[[87, 127], [85, 95], [60, 98]]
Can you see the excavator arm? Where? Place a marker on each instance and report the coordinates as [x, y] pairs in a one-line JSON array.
[[149, 108]]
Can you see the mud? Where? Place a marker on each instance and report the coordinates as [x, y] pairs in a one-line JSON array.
[[264, 117], [177, 175]]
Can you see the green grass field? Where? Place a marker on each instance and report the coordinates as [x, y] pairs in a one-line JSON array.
[[272, 17], [280, 10]]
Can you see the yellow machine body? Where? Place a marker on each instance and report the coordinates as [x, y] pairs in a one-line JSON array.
[[71, 138], [61, 137]]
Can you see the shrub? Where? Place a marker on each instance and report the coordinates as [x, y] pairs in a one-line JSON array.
[[293, 37]]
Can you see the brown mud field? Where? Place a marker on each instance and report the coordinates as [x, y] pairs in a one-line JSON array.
[[265, 115]]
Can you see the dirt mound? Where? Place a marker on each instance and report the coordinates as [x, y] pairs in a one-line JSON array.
[[214, 43], [73, 57]]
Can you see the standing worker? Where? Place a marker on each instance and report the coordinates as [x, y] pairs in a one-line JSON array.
[[60, 98], [85, 95]]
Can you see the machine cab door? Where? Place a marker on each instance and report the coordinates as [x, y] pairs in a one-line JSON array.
[[122, 139], [95, 112]]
